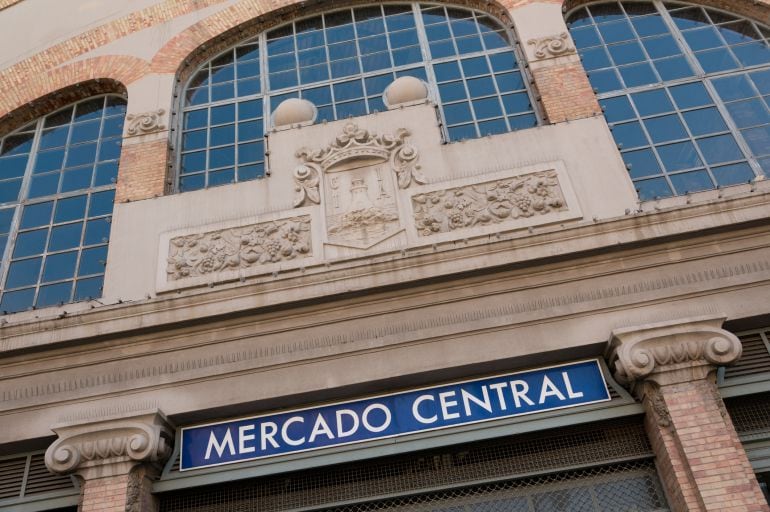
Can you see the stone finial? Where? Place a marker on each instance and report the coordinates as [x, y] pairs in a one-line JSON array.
[[406, 90], [671, 352], [112, 446], [294, 111]]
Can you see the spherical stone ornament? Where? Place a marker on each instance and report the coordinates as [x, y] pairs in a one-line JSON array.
[[294, 111], [405, 90]]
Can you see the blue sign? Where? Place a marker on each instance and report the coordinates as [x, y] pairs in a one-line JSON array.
[[393, 415]]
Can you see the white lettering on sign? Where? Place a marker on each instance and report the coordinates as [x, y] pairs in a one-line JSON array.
[[416, 410], [220, 447]]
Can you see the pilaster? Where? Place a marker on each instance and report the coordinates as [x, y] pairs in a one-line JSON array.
[[116, 458], [671, 368]]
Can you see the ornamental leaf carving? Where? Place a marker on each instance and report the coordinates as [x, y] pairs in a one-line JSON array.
[[552, 46], [146, 122], [238, 248], [488, 203]]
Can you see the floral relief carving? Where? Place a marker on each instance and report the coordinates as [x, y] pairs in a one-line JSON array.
[[238, 248], [146, 122], [488, 203], [355, 143], [552, 46]]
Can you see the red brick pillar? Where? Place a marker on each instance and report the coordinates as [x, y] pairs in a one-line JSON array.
[[116, 460], [671, 368]]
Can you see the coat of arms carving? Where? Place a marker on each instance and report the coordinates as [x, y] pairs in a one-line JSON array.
[[356, 179]]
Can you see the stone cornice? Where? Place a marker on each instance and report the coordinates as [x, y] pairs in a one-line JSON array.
[[671, 352], [651, 227], [112, 446]]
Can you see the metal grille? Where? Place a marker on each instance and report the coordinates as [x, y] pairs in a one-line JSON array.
[[27, 476], [755, 358], [750, 414], [483, 462]]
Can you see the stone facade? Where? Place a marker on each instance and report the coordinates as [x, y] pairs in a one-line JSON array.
[[374, 255]]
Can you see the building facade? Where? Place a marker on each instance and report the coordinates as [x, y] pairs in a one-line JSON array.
[[411, 256]]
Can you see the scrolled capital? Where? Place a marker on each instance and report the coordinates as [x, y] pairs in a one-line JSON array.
[[671, 352], [110, 446]]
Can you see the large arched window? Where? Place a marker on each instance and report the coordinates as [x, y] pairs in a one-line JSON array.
[[57, 187], [683, 89], [342, 61]]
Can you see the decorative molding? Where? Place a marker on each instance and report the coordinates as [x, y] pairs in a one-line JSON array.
[[110, 447], [355, 147], [658, 405], [552, 46], [488, 203], [671, 352], [145, 123], [238, 248]]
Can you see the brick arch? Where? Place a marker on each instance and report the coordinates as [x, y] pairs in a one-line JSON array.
[[757, 10], [63, 85], [202, 41]]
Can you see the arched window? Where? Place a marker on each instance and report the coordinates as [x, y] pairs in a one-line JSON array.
[[683, 89], [57, 186], [342, 61]]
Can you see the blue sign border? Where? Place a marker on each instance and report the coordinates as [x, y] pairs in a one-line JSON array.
[[594, 363]]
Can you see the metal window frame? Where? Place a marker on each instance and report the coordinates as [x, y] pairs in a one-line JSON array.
[[266, 94]]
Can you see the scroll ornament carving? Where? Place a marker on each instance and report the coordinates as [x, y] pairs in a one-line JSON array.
[[238, 248], [112, 443], [662, 416], [652, 358], [144, 123], [488, 203], [356, 143], [552, 46]]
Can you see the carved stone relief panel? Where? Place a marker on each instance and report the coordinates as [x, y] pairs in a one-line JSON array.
[[244, 247], [535, 194]]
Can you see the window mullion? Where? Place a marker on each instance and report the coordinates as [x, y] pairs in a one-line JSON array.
[[422, 37], [689, 55]]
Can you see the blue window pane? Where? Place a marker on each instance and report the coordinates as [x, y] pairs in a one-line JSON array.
[[595, 58], [649, 25], [373, 44], [733, 174], [495, 40], [749, 113], [503, 62], [49, 160], [703, 38], [88, 288], [248, 69], [279, 45], [486, 108], [101, 203], [679, 156], [399, 21], [447, 71], [250, 172], [579, 18], [377, 105], [249, 87], [659, 47], [72, 208], [690, 95], [197, 96], [56, 137], [738, 32], [452, 91], [340, 33], [83, 154], [761, 80], [420, 73], [194, 140], [23, 273], [106, 174], [30, 243], [223, 114], [406, 56], [192, 162], [54, 294], [638, 74], [652, 102], [605, 81], [463, 132], [442, 49], [374, 85], [196, 119], [222, 91], [704, 121], [626, 53], [509, 82], [97, 232], [458, 113], [691, 182], [343, 68], [92, 261], [758, 140], [12, 167], [60, 266], [35, 215], [21, 300], [109, 150], [351, 109], [585, 37], [616, 32], [617, 109], [188, 183], [483, 86], [222, 135], [223, 177], [250, 130], [253, 152], [438, 32], [250, 109], [674, 68], [376, 61], [733, 88], [66, 236], [493, 127], [85, 132], [76, 179], [91, 109], [629, 135], [222, 157], [692, 17], [6, 217], [665, 128], [641, 163], [467, 45], [522, 122], [516, 103], [115, 106], [475, 66], [43, 185], [348, 90], [17, 144], [656, 188], [370, 27], [716, 60], [719, 149], [113, 127]]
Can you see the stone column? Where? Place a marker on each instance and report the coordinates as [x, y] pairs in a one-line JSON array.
[[116, 459], [671, 368]]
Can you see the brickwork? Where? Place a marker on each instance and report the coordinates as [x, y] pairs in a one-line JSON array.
[[702, 462], [143, 170], [105, 494], [565, 92]]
